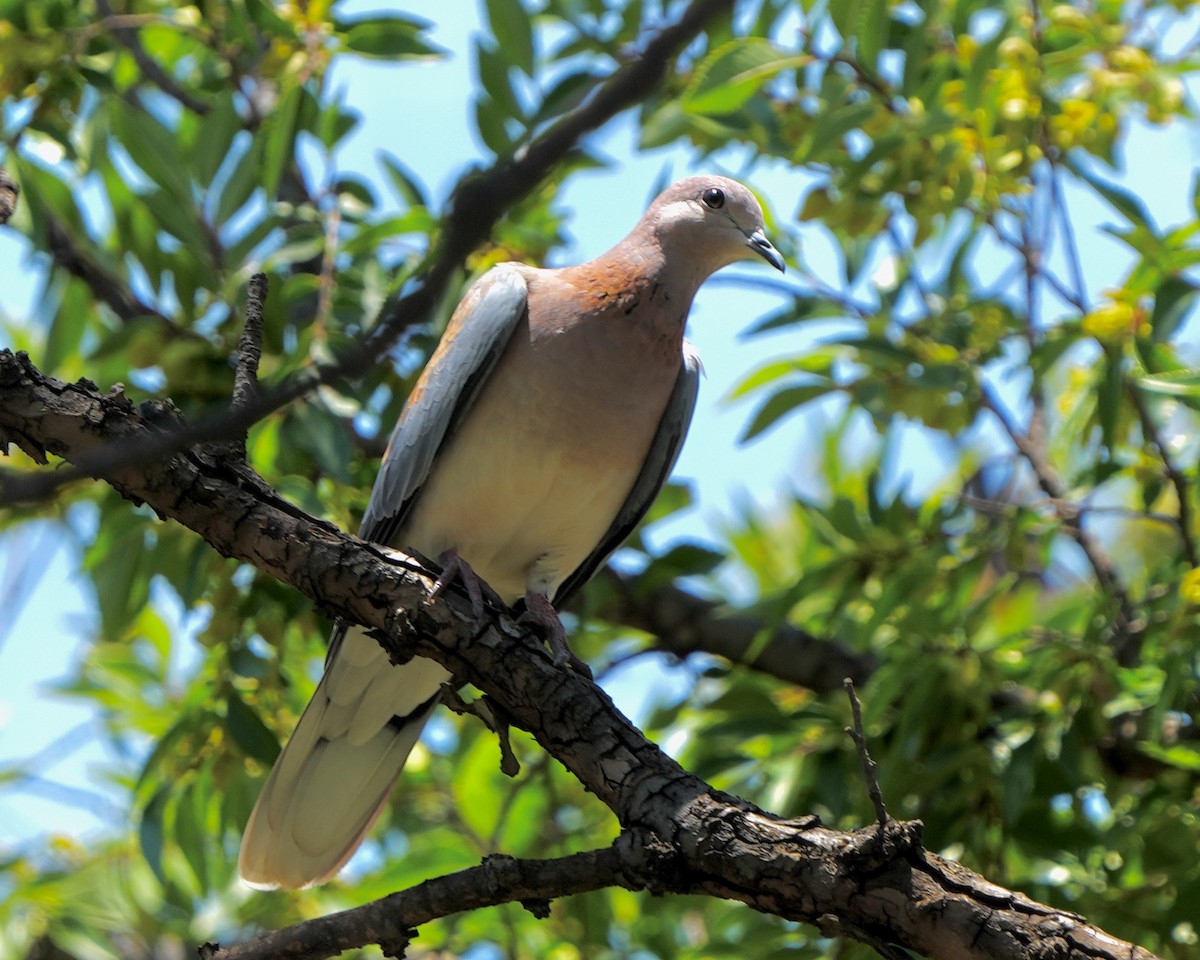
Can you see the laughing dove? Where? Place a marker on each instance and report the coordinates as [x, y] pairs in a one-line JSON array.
[[533, 443]]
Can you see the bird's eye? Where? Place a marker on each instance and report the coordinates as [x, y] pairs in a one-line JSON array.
[[714, 198]]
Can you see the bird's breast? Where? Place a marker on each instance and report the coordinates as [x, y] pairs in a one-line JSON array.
[[536, 472]]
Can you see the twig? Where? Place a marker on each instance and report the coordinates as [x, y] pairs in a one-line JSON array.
[[245, 375], [105, 285], [8, 196], [492, 716], [1178, 480], [1127, 629], [325, 281], [868, 765], [391, 920], [245, 371], [127, 36]]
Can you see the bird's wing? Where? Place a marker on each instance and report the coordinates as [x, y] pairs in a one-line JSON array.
[[660, 460], [475, 338]]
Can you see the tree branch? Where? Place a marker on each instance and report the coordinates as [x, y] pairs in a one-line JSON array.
[[391, 921], [685, 624], [1127, 628], [880, 885]]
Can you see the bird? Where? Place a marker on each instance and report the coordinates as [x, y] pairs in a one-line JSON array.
[[534, 441]]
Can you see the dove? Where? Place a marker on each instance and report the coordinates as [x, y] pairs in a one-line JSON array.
[[536, 438]]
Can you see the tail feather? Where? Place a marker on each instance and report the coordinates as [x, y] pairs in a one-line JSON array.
[[332, 780]]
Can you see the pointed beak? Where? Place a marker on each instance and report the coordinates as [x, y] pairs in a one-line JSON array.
[[758, 242]]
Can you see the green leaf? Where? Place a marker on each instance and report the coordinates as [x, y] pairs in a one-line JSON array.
[[687, 559], [799, 310], [408, 188], [153, 148], [1174, 298], [673, 497], [191, 834], [1181, 383], [476, 786], [214, 139], [845, 15], [873, 31], [818, 362], [513, 31], [780, 404], [492, 68], [280, 138], [178, 219], [71, 320], [387, 37], [489, 121], [150, 831], [247, 730], [1182, 756], [733, 73]]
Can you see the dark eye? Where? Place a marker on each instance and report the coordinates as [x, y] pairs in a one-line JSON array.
[[714, 198]]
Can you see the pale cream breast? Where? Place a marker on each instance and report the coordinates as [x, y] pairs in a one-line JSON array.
[[534, 476]]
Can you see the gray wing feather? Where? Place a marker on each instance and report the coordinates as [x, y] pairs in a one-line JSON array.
[[476, 337], [660, 461]]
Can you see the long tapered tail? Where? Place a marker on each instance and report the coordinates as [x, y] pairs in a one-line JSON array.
[[333, 778]]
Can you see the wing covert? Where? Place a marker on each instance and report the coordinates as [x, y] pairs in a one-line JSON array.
[[475, 338]]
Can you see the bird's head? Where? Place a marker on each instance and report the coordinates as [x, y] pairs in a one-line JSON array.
[[712, 219]]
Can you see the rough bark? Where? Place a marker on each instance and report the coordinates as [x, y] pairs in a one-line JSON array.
[[679, 834]]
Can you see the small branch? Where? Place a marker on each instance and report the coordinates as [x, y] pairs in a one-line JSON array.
[[491, 715], [391, 921], [245, 371], [1127, 628], [1182, 491], [325, 281], [245, 376], [864, 755], [8, 196], [127, 36], [106, 286]]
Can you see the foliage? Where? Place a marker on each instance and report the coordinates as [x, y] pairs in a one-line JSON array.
[[1034, 607]]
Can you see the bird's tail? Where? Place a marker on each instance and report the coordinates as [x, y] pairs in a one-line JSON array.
[[332, 779]]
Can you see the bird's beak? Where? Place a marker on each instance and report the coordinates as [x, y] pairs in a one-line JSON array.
[[758, 242]]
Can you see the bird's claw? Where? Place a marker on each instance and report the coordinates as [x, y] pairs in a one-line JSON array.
[[454, 568], [540, 611]]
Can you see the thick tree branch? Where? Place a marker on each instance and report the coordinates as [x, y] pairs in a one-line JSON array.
[[685, 624], [880, 885], [477, 205]]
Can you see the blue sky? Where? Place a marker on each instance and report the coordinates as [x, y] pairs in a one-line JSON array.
[[420, 113]]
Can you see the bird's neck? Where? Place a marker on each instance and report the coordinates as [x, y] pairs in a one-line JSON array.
[[643, 264]]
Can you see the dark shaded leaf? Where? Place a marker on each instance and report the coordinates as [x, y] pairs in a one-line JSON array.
[[513, 31], [249, 732]]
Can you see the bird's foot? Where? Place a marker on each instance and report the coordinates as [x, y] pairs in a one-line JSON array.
[[540, 611], [454, 568]]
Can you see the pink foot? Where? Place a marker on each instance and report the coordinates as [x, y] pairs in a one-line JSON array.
[[540, 611], [454, 568]]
